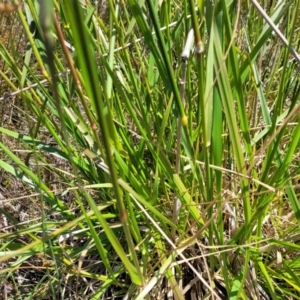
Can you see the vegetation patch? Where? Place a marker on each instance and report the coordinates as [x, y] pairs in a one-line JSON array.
[[149, 150]]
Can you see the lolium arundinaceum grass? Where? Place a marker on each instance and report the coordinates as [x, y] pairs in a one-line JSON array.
[[149, 150]]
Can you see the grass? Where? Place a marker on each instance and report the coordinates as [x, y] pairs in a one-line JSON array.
[[136, 170]]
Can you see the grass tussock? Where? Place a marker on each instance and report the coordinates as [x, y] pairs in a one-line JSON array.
[[149, 151]]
